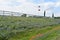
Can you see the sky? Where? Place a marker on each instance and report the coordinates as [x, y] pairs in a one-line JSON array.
[[31, 6]]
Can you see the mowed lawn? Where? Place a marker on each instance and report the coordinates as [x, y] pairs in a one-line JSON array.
[[22, 28]]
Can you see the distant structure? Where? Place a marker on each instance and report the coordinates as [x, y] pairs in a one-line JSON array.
[[46, 10], [44, 13], [52, 15], [9, 13]]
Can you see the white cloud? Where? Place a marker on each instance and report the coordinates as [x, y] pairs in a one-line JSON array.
[[57, 14], [25, 7], [57, 4], [22, 1]]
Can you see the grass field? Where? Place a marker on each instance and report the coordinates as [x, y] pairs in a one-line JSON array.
[[22, 28]]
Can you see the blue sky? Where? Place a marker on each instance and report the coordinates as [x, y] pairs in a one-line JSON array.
[[35, 1], [50, 0], [56, 10], [31, 6]]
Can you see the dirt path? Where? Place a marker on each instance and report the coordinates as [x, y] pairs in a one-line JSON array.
[[39, 35]]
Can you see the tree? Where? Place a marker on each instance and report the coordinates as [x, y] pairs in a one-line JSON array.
[[24, 15]]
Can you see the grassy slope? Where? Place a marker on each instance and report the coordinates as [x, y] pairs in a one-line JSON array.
[[22, 28]]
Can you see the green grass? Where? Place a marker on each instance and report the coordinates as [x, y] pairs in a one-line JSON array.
[[50, 36], [22, 28]]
